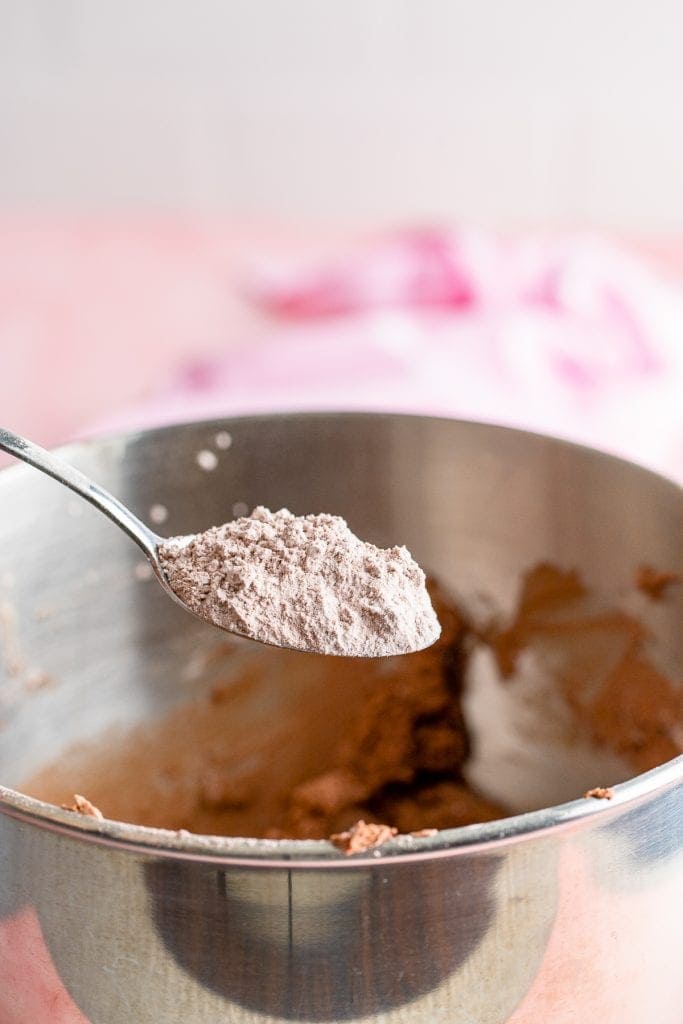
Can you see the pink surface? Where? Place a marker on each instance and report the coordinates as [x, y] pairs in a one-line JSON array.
[[574, 337], [31, 991], [105, 325]]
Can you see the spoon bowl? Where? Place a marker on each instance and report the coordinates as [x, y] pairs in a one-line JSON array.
[[150, 542]]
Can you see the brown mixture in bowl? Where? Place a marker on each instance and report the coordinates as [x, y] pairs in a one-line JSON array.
[[381, 746]]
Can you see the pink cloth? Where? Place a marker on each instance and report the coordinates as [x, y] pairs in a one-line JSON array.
[[574, 336]]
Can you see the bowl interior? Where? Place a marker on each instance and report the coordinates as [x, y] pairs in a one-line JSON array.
[[92, 647]]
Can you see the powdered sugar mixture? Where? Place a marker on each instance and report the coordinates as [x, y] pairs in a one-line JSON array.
[[305, 582]]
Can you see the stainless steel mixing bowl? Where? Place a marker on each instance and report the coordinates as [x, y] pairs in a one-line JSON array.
[[562, 916]]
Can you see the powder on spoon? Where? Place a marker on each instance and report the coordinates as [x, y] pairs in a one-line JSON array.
[[305, 582]]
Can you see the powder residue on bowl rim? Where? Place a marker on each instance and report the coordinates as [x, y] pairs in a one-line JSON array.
[[81, 805], [305, 582]]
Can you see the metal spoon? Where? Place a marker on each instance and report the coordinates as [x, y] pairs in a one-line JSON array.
[[144, 537], [71, 477]]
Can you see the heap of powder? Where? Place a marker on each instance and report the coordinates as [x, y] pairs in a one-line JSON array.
[[305, 582]]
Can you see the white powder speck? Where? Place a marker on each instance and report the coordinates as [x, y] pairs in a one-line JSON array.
[[223, 440], [240, 509], [305, 582], [143, 571], [207, 460], [158, 514]]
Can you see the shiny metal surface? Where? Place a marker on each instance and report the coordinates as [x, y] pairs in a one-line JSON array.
[[559, 916], [55, 467], [146, 539]]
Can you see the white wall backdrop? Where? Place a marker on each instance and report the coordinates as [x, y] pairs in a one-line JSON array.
[[504, 111]]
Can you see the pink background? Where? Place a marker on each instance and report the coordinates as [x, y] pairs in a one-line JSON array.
[[107, 324]]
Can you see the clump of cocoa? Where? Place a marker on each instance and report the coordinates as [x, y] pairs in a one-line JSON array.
[[81, 805], [362, 836], [599, 793]]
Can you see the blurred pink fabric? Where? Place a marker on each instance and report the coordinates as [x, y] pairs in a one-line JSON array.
[[574, 336]]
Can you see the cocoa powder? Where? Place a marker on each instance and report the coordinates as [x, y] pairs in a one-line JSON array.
[[305, 582]]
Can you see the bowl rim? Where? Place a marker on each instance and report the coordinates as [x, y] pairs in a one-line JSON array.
[[300, 853]]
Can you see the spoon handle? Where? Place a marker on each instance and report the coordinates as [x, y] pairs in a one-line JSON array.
[[71, 477]]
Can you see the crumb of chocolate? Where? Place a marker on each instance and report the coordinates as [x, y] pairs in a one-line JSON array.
[[423, 833], [83, 806], [599, 793], [654, 583], [364, 835]]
